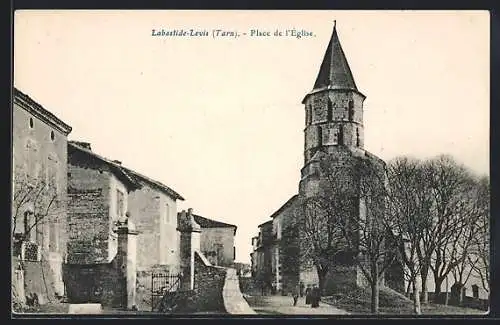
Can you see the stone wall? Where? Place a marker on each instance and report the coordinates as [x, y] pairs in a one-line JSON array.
[[88, 204], [209, 282], [207, 295], [95, 283]]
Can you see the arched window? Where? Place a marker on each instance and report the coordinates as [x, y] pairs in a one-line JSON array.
[[357, 137]]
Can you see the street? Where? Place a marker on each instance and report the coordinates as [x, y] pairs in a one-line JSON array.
[[284, 305]]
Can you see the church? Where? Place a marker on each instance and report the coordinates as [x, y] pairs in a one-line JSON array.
[[334, 139]]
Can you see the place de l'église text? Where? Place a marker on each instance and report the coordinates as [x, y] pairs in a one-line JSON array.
[[225, 33]]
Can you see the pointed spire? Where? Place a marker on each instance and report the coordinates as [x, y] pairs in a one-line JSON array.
[[334, 71]]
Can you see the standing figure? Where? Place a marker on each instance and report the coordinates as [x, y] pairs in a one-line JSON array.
[[315, 297], [308, 295], [295, 294]]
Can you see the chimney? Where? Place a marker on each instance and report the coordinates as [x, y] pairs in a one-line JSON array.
[[85, 145], [117, 162]]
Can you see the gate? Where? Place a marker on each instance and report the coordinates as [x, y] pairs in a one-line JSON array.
[[162, 284]]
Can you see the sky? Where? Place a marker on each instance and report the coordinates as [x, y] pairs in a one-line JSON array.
[[220, 119]]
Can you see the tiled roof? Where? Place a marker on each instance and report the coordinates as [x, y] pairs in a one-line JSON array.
[[162, 187], [210, 223], [36, 109], [116, 168]]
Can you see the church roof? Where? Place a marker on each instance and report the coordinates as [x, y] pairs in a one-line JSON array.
[[334, 71], [285, 206]]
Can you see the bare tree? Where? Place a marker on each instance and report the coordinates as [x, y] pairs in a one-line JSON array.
[[482, 240], [409, 203], [455, 252], [367, 234], [317, 219], [346, 221], [34, 204], [447, 181]]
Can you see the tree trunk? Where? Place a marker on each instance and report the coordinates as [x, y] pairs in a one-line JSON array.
[[461, 295], [408, 289], [374, 283], [446, 298], [438, 282], [321, 279], [416, 299], [425, 295], [375, 297]]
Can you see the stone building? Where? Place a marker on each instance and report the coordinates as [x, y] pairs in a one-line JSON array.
[[98, 190], [334, 134], [153, 210], [39, 219], [262, 258], [217, 240]]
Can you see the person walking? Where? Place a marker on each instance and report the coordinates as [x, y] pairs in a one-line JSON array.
[[295, 294]]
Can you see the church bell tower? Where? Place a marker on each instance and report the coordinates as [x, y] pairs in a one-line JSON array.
[[334, 107]]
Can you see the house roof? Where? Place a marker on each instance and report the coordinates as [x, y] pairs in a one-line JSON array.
[[115, 168], [210, 223], [34, 108], [156, 184], [284, 206], [265, 223]]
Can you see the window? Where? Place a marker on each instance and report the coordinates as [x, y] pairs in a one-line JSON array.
[[335, 135], [319, 135], [308, 114], [52, 135], [166, 220], [330, 110], [475, 291], [119, 204], [31, 123], [357, 137], [234, 253], [351, 110], [341, 134]]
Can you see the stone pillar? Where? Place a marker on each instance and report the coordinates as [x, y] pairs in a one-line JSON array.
[[127, 262], [190, 243]]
